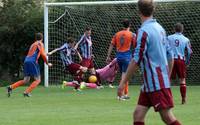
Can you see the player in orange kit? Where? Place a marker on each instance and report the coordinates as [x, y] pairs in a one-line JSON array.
[[123, 40], [31, 66]]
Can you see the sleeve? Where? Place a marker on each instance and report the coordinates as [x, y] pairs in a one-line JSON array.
[[141, 46], [114, 40], [134, 40], [62, 47], [82, 39], [42, 52], [189, 52], [114, 61], [169, 49]]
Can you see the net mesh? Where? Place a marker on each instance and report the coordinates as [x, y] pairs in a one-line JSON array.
[[105, 21]]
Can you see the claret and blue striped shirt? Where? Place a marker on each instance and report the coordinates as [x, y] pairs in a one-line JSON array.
[[151, 54]]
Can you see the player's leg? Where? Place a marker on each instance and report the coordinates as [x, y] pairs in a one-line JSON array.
[[141, 109], [168, 117], [124, 65], [139, 115], [182, 77], [34, 84], [17, 84], [183, 88]]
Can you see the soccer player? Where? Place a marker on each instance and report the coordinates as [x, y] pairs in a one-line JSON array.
[[151, 55], [180, 43], [66, 52], [31, 66], [108, 73], [85, 44], [123, 41]]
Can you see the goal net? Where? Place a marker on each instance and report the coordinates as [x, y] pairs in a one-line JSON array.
[[68, 19]]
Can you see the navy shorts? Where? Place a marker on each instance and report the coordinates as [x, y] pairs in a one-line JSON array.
[[31, 69], [123, 64]]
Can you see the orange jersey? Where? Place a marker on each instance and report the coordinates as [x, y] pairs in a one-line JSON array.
[[36, 49], [123, 40]]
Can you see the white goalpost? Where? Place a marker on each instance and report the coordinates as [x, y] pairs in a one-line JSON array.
[[68, 19]]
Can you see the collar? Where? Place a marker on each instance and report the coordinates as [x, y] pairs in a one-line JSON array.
[[148, 21]]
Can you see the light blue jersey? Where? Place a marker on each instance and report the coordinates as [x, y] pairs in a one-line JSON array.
[[179, 44], [151, 54]]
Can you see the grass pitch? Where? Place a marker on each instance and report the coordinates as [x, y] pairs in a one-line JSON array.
[[54, 106]]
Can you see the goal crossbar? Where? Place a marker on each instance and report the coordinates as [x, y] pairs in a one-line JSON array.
[[106, 2]]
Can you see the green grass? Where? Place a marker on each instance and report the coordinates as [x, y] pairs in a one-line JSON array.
[[53, 106]]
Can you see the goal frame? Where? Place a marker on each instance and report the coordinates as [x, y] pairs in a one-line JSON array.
[[46, 21]]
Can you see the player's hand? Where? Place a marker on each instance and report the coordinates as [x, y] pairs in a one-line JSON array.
[[84, 69], [48, 54], [50, 64]]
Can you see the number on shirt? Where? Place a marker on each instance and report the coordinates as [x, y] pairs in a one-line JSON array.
[[177, 42]]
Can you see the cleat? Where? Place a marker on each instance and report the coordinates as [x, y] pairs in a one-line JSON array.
[[126, 97], [120, 98], [111, 86], [9, 91], [183, 101], [83, 85], [64, 84], [100, 87], [77, 90], [27, 94]]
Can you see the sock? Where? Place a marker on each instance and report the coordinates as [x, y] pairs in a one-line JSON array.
[[138, 123], [17, 84], [91, 85], [126, 89], [70, 84], [32, 86], [78, 77], [183, 88], [176, 123]]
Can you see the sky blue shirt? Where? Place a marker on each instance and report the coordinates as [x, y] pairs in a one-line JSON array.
[[151, 54], [179, 44]]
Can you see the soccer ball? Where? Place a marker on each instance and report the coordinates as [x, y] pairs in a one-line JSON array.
[[92, 79]]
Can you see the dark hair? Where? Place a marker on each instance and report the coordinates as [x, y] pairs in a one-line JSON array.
[[179, 27], [126, 23], [70, 40], [38, 36], [87, 28], [146, 7]]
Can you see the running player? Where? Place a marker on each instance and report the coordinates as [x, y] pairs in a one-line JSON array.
[[123, 41], [31, 66], [182, 53], [151, 55]]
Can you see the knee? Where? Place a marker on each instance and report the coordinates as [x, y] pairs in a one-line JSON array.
[[138, 116], [26, 81]]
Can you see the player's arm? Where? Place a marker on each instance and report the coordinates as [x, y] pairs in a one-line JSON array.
[[57, 49], [189, 52], [79, 42], [139, 52], [79, 55], [113, 42], [170, 55], [43, 54], [52, 52]]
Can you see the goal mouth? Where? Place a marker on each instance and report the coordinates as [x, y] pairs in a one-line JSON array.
[[68, 19]]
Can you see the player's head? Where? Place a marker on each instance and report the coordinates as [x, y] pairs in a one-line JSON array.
[[71, 42], [126, 23], [146, 7], [88, 30], [38, 36], [179, 27]]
